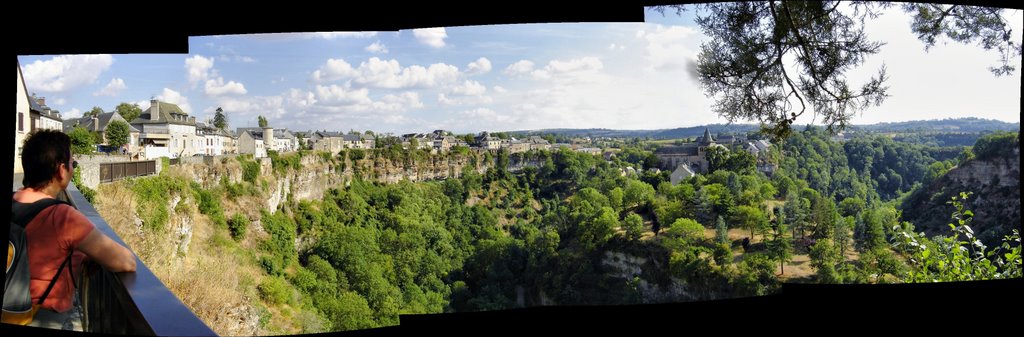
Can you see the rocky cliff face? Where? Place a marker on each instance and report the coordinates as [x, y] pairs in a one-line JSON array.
[[995, 184], [318, 175]]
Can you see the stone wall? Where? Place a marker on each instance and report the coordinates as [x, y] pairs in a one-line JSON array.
[[90, 167]]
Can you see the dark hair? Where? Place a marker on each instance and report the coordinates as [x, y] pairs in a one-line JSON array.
[[42, 155]]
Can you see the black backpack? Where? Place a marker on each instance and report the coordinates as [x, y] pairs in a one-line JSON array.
[[18, 307]]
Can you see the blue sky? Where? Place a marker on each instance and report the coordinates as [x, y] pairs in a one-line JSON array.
[[500, 77]]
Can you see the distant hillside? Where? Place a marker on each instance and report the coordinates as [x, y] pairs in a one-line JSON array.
[[694, 131], [993, 177], [971, 125], [967, 124]]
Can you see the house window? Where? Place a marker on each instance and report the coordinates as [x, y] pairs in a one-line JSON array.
[[21, 121]]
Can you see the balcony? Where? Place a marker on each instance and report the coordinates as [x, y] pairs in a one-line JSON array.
[[128, 303]]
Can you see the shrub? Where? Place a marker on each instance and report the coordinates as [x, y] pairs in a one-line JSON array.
[[250, 171], [239, 223], [275, 290]]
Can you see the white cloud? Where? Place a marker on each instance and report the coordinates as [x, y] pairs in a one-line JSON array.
[[519, 68], [433, 37], [59, 101], [486, 114], [243, 110], [339, 96], [174, 97], [480, 66], [335, 35], [387, 74], [111, 89], [300, 98], [616, 47], [65, 73], [198, 69], [399, 102], [569, 70], [667, 46], [443, 99], [377, 48], [469, 88], [277, 80], [73, 113], [236, 58], [499, 89], [217, 87], [463, 100], [333, 70], [307, 36]]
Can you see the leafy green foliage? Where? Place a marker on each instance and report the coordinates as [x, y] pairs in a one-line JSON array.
[[250, 171], [825, 257], [152, 195], [634, 225], [961, 257], [209, 204], [220, 120], [117, 134], [995, 144], [275, 290], [238, 226], [721, 231], [687, 229], [95, 111], [88, 193], [281, 163], [82, 141], [129, 111]]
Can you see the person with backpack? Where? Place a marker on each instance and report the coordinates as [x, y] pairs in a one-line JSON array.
[[57, 237]]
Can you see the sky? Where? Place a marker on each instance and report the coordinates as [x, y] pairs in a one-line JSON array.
[[495, 77]]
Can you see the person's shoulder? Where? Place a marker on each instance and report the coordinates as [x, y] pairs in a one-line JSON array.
[[69, 212]]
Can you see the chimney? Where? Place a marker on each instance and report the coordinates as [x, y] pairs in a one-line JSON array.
[[154, 109], [268, 137], [95, 123], [41, 101]]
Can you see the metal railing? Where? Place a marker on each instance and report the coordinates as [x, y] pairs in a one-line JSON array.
[[116, 171], [134, 303]]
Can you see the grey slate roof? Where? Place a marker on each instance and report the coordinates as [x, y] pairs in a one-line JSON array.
[[685, 149], [104, 121], [169, 113]]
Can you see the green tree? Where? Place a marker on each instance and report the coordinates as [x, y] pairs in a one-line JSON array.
[[780, 247], [750, 218], [843, 234], [82, 141], [220, 120], [995, 144], [721, 231], [634, 226], [262, 121], [637, 193], [129, 111], [851, 206], [688, 229], [742, 63], [96, 111], [117, 134], [874, 230], [824, 258], [597, 231]]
